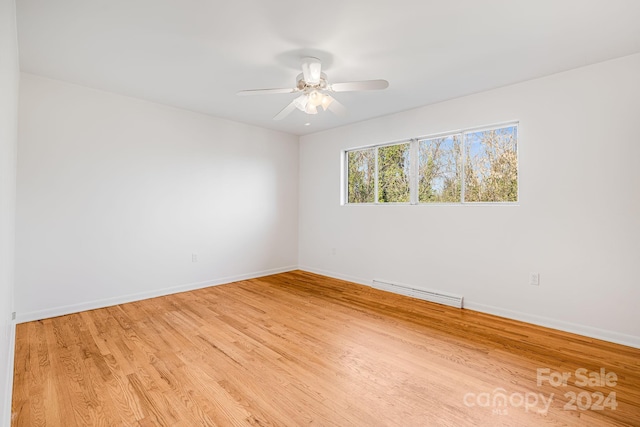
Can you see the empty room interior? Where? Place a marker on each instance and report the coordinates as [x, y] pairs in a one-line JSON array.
[[389, 213]]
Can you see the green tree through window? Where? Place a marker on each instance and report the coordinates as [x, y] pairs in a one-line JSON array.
[[361, 175], [394, 174]]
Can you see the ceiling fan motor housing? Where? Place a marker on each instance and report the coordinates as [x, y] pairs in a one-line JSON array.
[[303, 85]]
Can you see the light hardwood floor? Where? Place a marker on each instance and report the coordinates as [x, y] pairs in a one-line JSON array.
[[296, 349]]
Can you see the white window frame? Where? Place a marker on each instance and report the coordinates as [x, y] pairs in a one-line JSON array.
[[413, 168], [344, 182]]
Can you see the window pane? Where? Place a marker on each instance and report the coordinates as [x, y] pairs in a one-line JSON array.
[[393, 173], [440, 170], [361, 174], [491, 166]]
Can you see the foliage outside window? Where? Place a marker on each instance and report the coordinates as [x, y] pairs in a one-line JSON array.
[[439, 170], [463, 167], [491, 165], [361, 171], [394, 174]]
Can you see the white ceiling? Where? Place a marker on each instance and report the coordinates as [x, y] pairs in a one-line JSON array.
[[196, 54]]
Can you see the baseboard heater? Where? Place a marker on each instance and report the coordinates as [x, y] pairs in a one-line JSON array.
[[424, 294]]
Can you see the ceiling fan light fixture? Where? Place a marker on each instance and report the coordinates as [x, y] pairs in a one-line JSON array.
[[315, 98], [310, 109], [326, 101]]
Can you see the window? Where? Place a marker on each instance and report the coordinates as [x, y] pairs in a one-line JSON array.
[[478, 165], [439, 170], [491, 165], [361, 172], [379, 174], [394, 174]]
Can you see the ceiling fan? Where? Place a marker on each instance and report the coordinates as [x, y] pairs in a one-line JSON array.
[[315, 90]]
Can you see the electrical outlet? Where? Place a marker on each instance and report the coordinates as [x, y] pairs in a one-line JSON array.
[[13, 316], [534, 279], [194, 257]]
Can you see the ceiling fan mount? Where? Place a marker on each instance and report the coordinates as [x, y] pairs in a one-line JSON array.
[[316, 90]]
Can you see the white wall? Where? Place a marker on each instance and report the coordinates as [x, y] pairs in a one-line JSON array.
[[577, 223], [115, 194], [9, 79]]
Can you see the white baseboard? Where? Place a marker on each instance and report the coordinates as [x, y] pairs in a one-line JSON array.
[[587, 331], [92, 305], [5, 418], [335, 275]]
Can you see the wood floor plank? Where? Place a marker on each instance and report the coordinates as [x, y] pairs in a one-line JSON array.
[[298, 348], [122, 395]]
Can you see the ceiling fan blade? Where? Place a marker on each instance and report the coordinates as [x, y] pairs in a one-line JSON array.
[[311, 70], [337, 108], [286, 110], [265, 91], [356, 86]]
